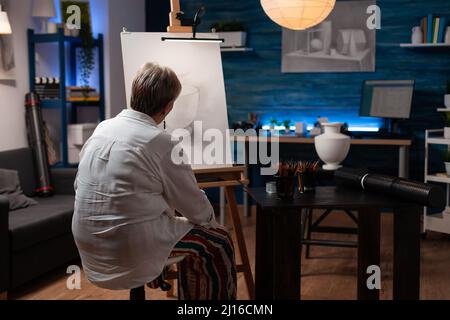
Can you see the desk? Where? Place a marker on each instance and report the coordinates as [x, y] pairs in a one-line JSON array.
[[402, 144], [278, 237]]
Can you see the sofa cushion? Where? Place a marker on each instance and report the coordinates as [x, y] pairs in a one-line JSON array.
[[51, 218], [10, 188], [21, 160]]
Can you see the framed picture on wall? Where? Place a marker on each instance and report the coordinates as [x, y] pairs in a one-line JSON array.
[[85, 19], [85, 54], [341, 43]]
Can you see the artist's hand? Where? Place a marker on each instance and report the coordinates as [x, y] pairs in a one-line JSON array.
[[215, 225]]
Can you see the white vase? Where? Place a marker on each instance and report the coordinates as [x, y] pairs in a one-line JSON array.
[[332, 146], [416, 35], [447, 100], [447, 133], [185, 108], [447, 168], [326, 35], [447, 36]]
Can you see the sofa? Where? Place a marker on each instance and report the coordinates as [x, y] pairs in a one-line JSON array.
[[37, 239]]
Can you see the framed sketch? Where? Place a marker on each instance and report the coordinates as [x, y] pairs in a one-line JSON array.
[[86, 21], [7, 62], [341, 43]]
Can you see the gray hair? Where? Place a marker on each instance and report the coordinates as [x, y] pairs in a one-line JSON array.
[[154, 87]]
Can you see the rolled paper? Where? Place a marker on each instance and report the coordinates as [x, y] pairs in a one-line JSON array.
[[405, 189]]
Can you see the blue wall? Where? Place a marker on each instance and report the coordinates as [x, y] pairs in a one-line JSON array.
[[254, 81]]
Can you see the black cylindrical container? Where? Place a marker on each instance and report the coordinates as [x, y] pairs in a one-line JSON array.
[[350, 177], [405, 189], [377, 182], [427, 194], [36, 139]]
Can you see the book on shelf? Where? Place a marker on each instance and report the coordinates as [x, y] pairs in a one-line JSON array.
[[429, 28], [423, 24], [78, 88], [92, 94], [433, 28], [75, 93], [441, 31], [47, 87]]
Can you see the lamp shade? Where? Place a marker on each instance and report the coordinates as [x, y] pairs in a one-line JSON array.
[[298, 14], [5, 26], [44, 9]]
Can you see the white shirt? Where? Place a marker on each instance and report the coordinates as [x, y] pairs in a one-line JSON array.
[[127, 189]]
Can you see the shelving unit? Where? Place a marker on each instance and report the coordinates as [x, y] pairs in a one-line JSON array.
[[236, 49], [63, 104], [437, 222], [425, 45]]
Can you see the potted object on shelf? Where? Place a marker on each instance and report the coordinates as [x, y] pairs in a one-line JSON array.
[[332, 146], [233, 32], [86, 54], [287, 126], [447, 96], [446, 116], [447, 162], [273, 124]]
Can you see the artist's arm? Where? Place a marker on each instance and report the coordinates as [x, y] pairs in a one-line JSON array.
[[182, 193]]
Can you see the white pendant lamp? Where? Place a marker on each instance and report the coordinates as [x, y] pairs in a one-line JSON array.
[[298, 14], [5, 26]]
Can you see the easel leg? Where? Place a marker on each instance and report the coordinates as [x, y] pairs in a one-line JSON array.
[[236, 220], [222, 206]]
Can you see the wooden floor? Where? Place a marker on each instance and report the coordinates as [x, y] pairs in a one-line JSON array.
[[330, 273]]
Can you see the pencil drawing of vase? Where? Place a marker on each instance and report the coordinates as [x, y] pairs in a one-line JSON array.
[[185, 108], [332, 146]]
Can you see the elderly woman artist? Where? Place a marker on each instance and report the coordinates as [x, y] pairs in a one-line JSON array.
[[127, 190]]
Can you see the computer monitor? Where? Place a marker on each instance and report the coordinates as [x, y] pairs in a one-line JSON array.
[[387, 98]]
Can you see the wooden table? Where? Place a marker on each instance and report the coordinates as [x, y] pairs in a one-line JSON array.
[[278, 233], [402, 144]]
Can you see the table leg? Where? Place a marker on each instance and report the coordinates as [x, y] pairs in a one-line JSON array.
[[264, 255], [368, 250], [286, 255], [403, 162], [407, 253]]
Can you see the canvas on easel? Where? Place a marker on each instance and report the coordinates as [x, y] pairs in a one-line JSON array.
[[198, 65], [201, 105]]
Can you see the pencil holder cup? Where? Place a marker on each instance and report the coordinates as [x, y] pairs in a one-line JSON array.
[[285, 187], [306, 182]]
